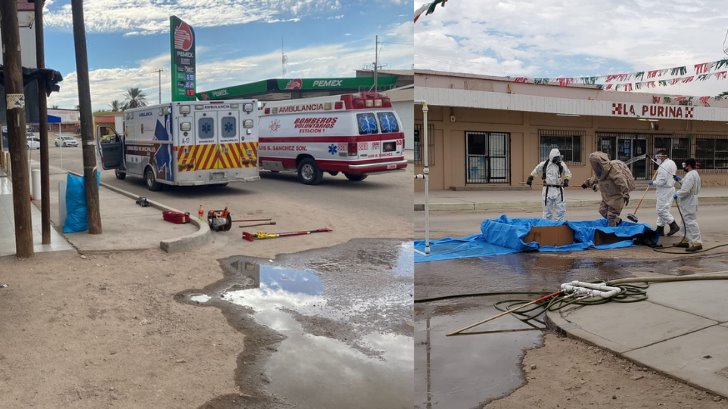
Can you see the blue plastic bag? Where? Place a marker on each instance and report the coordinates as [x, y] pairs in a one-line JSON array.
[[77, 215]]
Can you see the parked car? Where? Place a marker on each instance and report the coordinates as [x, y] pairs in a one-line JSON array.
[[32, 143], [66, 141]]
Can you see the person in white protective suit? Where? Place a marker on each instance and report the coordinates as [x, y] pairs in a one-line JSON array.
[[664, 190], [688, 201], [555, 175]]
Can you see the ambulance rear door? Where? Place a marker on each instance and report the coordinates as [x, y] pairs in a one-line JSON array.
[[207, 140], [392, 138]]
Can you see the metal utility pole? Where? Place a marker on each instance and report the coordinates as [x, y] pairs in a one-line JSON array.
[[284, 60], [45, 189], [159, 71], [376, 60], [15, 114], [84, 101]]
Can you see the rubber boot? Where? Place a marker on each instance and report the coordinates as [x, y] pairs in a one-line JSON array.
[[694, 247], [660, 230], [674, 228]]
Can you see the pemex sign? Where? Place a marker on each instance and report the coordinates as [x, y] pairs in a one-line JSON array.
[[182, 44]]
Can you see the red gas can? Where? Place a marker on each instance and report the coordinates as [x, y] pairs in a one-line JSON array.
[[176, 217]]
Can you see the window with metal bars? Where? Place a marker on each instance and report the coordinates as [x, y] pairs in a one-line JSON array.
[[677, 147], [711, 152], [567, 142]]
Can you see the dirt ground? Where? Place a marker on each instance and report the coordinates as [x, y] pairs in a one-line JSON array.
[[567, 373], [104, 330]]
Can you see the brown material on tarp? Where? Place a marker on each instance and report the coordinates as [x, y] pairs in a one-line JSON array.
[[550, 235], [601, 238]]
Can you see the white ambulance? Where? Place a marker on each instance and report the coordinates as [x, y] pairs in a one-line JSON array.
[[355, 134], [185, 143]]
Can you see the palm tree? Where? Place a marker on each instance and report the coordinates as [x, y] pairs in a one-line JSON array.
[[116, 105], [134, 98]]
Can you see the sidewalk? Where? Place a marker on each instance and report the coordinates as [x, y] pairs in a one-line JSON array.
[[125, 225], [450, 200], [681, 331]]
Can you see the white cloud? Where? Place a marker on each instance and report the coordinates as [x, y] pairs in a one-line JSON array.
[[135, 17], [551, 38], [334, 60]]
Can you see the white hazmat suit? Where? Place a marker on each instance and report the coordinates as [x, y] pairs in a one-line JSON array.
[[554, 176], [688, 195], [664, 190]]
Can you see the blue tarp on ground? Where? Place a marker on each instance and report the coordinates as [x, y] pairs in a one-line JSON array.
[[505, 235]]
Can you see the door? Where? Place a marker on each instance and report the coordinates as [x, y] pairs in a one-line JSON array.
[[625, 147], [487, 157], [230, 148], [392, 139], [110, 150], [206, 140]]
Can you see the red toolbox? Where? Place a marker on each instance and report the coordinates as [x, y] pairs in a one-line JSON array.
[[176, 217]]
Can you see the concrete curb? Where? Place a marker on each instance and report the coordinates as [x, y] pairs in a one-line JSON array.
[[194, 240]]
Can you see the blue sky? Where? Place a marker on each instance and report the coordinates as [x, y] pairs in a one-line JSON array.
[[569, 38], [238, 41]]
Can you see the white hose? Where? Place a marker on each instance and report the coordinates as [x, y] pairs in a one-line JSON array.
[[718, 275]]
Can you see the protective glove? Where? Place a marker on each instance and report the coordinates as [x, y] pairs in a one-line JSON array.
[[529, 181], [650, 182], [677, 178], [674, 197], [584, 186], [566, 183], [626, 200]]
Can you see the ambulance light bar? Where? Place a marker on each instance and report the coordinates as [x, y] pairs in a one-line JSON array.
[[366, 100]]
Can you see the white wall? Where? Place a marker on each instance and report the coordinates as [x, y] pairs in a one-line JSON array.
[[405, 110], [27, 40]]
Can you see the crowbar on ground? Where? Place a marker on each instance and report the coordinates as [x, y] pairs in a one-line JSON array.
[[538, 300], [271, 222], [263, 235], [251, 220]]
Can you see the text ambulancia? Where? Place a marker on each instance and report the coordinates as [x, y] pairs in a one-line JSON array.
[[355, 134], [185, 143]]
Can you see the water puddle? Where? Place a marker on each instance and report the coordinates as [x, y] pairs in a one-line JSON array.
[[345, 317], [466, 371]]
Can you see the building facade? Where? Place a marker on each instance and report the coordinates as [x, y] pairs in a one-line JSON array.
[[488, 132]]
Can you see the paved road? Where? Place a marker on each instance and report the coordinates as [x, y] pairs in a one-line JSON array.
[[378, 207], [463, 223]]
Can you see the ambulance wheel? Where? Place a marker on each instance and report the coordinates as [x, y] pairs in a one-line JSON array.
[[151, 180], [355, 177], [119, 174], [309, 173], [334, 173]]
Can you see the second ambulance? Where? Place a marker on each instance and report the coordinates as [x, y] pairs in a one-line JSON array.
[[355, 134]]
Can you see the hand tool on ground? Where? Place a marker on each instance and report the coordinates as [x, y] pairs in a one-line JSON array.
[[271, 222], [251, 220], [538, 300], [263, 235]]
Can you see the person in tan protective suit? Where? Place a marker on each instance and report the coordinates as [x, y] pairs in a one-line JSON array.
[[615, 181]]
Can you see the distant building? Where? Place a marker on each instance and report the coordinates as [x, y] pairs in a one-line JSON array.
[[70, 120], [486, 132]]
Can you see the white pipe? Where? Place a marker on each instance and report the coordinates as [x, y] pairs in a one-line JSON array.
[[599, 290], [425, 175]]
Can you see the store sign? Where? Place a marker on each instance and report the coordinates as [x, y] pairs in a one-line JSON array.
[[182, 44], [652, 111]]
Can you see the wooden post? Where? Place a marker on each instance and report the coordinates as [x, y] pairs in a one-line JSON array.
[[16, 128], [45, 194], [88, 144]]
